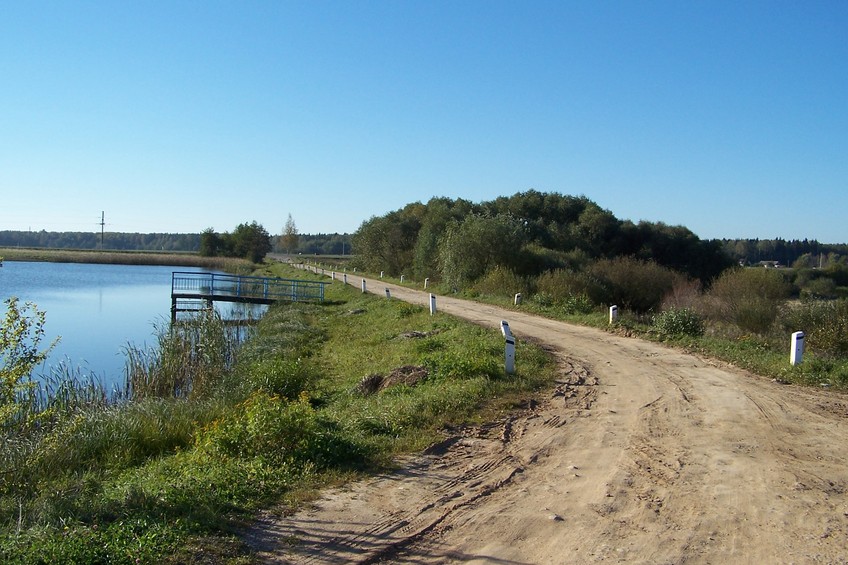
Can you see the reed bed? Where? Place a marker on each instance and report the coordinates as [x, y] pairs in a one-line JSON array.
[[228, 264]]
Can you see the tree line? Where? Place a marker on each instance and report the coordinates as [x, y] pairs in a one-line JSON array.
[[117, 241], [312, 244], [797, 253]]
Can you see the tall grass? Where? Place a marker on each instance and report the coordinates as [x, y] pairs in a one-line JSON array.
[[190, 359], [228, 264]]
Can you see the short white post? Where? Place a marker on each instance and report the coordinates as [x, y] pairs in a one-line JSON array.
[[354, 269], [388, 293], [505, 329], [363, 286], [344, 277], [613, 314], [426, 282], [381, 274], [432, 304], [796, 354], [334, 275], [517, 298], [509, 354], [401, 279]]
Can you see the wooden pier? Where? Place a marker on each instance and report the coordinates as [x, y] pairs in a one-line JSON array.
[[188, 289]]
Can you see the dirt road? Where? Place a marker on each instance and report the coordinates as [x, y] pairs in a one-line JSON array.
[[642, 454]]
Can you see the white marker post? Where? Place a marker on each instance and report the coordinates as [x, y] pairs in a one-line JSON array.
[[388, 293], [796, 354], [517, 298], [509, 348], [334, 275], [345, 278], [613, 314], [509, 355], [432, 304], [381, 274], [426, 282], [401, 279], [363, 286]]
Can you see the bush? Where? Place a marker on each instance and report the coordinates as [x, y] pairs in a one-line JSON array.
[[635, 284], [679, 322], [266, 426], [825, 324], [561, 284], [750, 298], [281, 376], [501, 281]]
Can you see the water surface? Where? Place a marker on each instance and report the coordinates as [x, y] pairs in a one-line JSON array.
[[96, 309]]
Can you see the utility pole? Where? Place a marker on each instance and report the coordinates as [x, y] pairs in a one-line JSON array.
[[102, 224]]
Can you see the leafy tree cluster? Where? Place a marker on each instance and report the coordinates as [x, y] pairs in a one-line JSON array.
[[529, 233], [119, 241], [249, 241]]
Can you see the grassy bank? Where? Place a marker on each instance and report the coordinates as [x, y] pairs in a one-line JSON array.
[[232, 265], [320, 394], [696, 327]]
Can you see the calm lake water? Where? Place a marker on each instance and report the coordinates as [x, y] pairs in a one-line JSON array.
[[96, 309]]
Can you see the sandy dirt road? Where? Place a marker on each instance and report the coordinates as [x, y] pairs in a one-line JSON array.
[[642, 454]]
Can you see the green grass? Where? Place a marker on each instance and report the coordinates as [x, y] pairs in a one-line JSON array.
[[158, 478]]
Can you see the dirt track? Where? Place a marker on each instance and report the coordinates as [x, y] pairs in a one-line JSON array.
[[642, 454]]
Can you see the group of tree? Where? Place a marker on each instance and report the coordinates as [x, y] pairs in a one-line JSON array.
[[117, 241], [791, 253], [249, 241], [527, 234]]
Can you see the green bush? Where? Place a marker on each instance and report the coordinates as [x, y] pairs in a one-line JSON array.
[[264, 426], [561, 284], [501, 281], [751, 298], [281, 376], [679, 322]]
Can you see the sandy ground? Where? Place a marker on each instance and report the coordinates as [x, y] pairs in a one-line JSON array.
[[642, 454]]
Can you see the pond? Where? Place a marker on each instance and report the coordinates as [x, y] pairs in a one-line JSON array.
[[95, 310]]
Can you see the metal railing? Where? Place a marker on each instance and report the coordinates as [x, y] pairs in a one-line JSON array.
[[237, 288]]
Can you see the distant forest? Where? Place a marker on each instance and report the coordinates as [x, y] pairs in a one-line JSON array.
[[323, 244], [808, 253]]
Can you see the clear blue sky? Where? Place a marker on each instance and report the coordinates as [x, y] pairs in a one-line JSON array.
[[730, 118]]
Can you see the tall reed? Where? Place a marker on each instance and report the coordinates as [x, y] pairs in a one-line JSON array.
[[191, 358]]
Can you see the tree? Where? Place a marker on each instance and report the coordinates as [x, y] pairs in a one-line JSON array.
[[251, 241], [211, 243], [478, 243], [290, 236]]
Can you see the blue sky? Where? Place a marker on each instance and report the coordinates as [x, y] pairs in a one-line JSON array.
[[730, 118]]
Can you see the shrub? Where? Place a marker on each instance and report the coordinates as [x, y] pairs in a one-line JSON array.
[[825, 324], [281, 376], [635, 284], [561, 284], [750, 298], [501, 281], [679, 322], [266, 426]]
